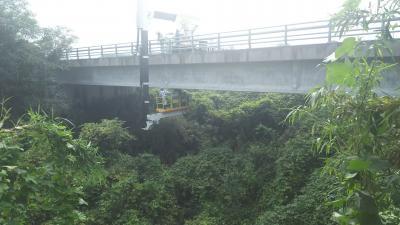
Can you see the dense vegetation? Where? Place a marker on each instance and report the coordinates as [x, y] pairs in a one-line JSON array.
[[219, 179], [234, 158], [29, 58]]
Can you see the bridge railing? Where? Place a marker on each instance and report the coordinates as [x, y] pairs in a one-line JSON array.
[[110, 50], [291, 34]]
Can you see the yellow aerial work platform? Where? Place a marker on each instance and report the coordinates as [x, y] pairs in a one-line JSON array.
[[173, 104]]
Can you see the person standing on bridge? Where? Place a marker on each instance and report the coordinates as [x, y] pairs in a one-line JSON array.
[[161, 39], [163, 96], [177, 41]]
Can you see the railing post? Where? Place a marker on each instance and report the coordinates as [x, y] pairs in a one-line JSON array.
[[77, 54], [116, 50], [149, 47], [101, 51], [132, 49], [219, 41], [330, 31], [192, 43], [249, 39], [89, 53], [286, 35], [66, 54], [178, 45], [383, 31]]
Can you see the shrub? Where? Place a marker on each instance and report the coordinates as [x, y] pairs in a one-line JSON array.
[[217, 182], [42, 168], [308, 208], [136, 192], [108, 135], [294, 164]]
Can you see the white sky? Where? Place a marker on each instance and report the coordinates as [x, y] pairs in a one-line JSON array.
[[97, 22]]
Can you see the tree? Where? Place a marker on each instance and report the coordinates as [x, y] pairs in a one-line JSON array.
[[354, 124], [29, 57]]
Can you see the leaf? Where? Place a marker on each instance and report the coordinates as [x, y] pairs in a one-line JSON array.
[[337, 203], [70, 146], [346, 48], [10, 167], [330, 58], [340, 73], [358, 165], [3, 188], [3, 173], [82, 202], [71, 158], [20, 171], [340, 218], [350, 176], [31, 179]]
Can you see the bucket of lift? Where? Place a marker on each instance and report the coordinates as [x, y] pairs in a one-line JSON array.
[[174, 105]]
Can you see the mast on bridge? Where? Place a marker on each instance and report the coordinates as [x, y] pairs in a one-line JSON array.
[[142, 20]]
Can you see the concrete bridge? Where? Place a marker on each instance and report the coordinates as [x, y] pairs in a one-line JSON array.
[[281, 59]]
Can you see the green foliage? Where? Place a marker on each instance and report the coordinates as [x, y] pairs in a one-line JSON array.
[[108, 135], [139, 195], [294, 163], [203, 219], [239, 119], [213, 185], [358, 127], [307, 208], [382, 11], [230, 160], [17, 21], [217, 183], [42, 168], [29, 58]]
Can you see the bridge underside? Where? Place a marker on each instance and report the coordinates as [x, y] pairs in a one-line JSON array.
[[287, 77]]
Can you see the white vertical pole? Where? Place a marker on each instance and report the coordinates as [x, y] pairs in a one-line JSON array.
[[142, 19], [139, 14]]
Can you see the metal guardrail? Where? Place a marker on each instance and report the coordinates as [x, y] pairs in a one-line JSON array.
[[315, 32]]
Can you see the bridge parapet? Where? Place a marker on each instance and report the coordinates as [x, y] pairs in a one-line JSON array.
[[284, 53], [315, 32]]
